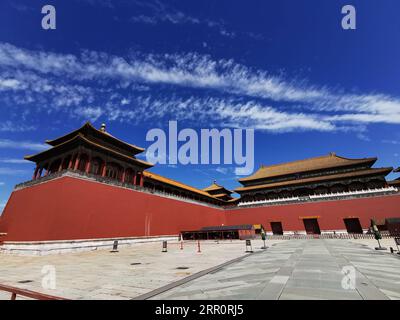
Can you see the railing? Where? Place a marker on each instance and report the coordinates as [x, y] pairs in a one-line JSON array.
[[315, 197], [27, 293], [327, 236]]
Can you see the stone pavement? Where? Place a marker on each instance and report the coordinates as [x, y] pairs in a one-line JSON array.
[[127, 274], [301, 269]]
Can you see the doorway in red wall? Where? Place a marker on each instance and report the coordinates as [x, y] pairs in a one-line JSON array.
[[277, 228], [312, 226], [353, 225]]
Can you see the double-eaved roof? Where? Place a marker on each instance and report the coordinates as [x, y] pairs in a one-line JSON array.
[[331, 177], [218, 191], [92, 137], [88, 129], [314, 170], [307, 165]]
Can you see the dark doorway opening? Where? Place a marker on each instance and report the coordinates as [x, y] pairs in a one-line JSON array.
[[277, 228], [393, 226], [312, 226], [353, 225]]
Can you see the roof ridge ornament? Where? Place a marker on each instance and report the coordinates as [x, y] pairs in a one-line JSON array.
[[103, 127]]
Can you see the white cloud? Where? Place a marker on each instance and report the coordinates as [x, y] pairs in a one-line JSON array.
[[158, 12], [229, 112], [27, 145], [6, 84], [9, 126], [2, 183], [11, 171], [252, 97], [396, 142], [89, 113], [14, 161], [222, 170]]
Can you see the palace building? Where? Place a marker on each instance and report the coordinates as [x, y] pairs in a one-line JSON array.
[[313, 178], [219, 192], [91, 185], [396, 182]]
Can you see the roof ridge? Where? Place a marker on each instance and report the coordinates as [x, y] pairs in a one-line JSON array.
[[90, 125], [328, 176], [304, 165], [331, 154]]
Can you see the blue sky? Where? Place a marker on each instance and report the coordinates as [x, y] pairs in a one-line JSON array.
[[285, 68]]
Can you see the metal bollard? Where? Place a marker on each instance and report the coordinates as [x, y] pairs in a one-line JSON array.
[[115, 246], [198, 246], [164, 246]]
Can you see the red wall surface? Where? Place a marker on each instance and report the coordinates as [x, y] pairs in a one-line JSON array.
[[71, 208], [330, 213]]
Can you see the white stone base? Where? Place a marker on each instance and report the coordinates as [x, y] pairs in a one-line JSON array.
[[323, 232], [40, 248]]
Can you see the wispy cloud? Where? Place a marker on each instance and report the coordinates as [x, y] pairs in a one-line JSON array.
[[9, 126], [96, 84], [24, 145], [230, 112], [396, 142], [14, 161], [2, 183], [89, 113], [159, 12], [12, 171]]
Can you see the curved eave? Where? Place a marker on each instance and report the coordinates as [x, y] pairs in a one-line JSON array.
[[220, 195], [69, 136], [394, 183], [369, 172], [178, 185], [257, 176], [216, 187], [221, 190], [79, 137]]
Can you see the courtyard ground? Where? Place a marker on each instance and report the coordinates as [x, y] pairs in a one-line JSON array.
[[129, 273], [291, 269]]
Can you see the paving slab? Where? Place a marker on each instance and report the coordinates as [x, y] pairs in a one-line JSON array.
[[305, 269]]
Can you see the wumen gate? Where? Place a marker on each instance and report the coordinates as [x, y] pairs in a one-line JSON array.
[[90, 185]]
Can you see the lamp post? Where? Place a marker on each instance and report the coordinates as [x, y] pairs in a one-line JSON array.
[[263, 237], [377, 235]]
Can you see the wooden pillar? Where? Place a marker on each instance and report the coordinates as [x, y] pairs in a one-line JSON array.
[[35, 173], [104, 171], [39, 173], [123, 176], [134, 177], [78, 158], [61, 164], [141, 179], [88, 165], [70, 161]]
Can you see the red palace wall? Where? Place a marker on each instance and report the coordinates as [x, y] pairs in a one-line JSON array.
[[330, 213], [71, 208]]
